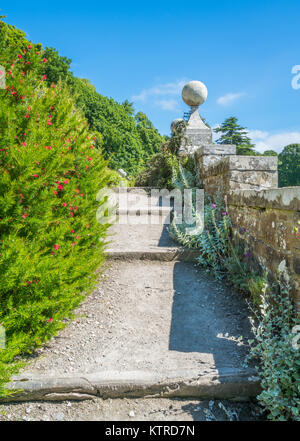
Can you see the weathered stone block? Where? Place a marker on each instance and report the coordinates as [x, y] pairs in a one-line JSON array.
[[239, 172], [287, 198]]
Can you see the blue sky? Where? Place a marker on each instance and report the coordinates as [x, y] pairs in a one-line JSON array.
[[244, 52]]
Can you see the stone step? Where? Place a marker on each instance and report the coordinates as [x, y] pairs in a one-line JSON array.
[[150, 329], [145, 210], [234, 385], [146, 242]]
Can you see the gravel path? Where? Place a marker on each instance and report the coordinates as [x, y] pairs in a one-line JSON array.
[[142, 409], [146, 317], [166, 318]]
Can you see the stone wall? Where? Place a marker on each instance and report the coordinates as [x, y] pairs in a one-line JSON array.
[[264, 216], [267, 220], [240, 172]]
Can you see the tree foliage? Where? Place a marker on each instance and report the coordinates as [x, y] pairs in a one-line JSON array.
[[128, 140], [289, 166], [233, 133]]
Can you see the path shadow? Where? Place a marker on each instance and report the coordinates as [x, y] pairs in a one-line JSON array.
[[200, 313]]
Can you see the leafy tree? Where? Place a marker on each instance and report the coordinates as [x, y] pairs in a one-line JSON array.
[[127, 140], [233, 133], [289, 166], [270, 153], [57, 67]]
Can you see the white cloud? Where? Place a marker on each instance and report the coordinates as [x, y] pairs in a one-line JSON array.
[[167, 104], [265, 141], [162, 90], [229, 98]]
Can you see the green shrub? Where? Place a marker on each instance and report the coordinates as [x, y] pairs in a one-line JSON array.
[[158, 172], [278, 358], [50, 242]]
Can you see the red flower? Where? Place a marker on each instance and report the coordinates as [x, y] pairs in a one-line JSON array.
[[52, 85], [49, 123], [50, 320], [55, 192], [72, 231], [29, 47], [44, 77], [64, 204], [24, 215], [20, 56], [45, 60], [48, 147], [77, 191], [27, 115], [77, 237], [60, 187], [56, 247], [35, 176]]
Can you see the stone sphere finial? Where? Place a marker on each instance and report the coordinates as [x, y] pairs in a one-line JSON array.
[[176, 123], [194, 93]]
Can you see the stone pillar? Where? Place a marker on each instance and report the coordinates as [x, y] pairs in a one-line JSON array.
[[219, 168], [196, 133]]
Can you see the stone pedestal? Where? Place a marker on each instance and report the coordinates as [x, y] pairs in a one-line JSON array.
[[196, 134], [210, 154]]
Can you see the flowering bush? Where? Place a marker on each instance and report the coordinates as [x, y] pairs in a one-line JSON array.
[[50, 242]]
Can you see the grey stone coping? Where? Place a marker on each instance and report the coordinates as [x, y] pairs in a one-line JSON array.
[[243, 163], [216, 149], [286, 198]]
